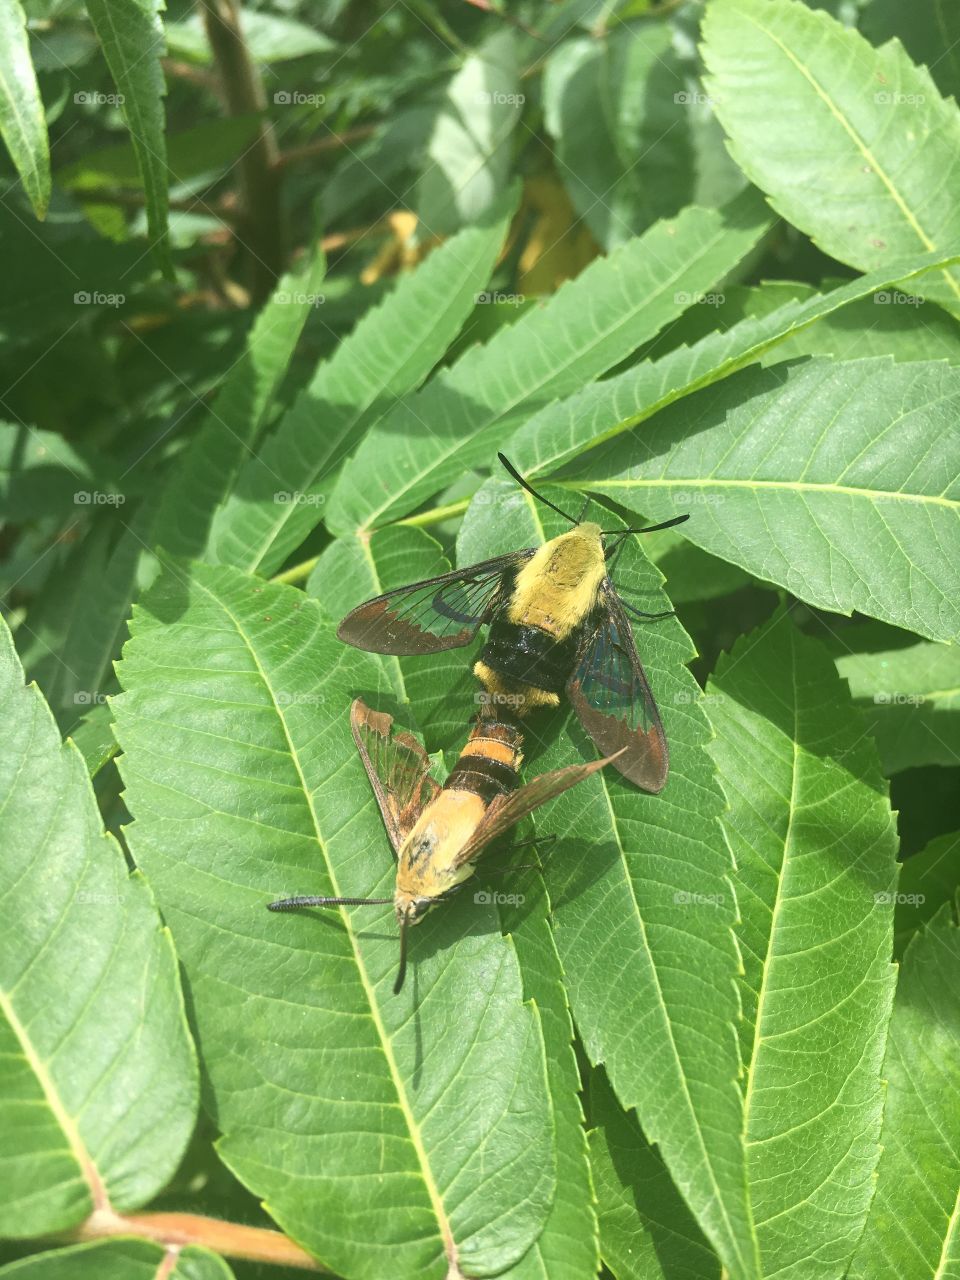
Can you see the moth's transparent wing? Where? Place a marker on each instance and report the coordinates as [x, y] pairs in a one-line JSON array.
[[506, 811], [398, 769], [429, 616], [612, 698]]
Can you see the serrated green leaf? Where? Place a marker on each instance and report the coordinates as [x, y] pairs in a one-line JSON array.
[[931, 37], [125, 1259], [928, 880], [93, 738], [604, 410], [279, 495], [419, 1124], [651, 980], [98, 1080], [616, 108], [911, 701], [814, 840], [853, 145], [462, 416], [208, 468], [468, 154], [646, 1231], [131, 35], [778, 468], [74, 628], [22, 122], [913, 1230]]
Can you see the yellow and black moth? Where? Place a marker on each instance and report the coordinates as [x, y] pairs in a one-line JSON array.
[[556, 625], [437, 832]]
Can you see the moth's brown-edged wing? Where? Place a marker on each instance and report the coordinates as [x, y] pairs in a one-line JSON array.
[[506, 811], [612, 699], [398, 769], [429, 616]]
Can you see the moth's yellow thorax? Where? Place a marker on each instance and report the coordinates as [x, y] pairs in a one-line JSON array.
[[425, 867], [558, 587]]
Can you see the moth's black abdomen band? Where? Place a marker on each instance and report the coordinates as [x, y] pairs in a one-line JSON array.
[[529, 655], [486, 778]]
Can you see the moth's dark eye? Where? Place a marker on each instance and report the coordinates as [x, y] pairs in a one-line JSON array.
[[421, 906]]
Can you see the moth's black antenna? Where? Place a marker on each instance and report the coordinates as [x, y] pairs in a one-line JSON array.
[[650, 528], [530, 489], [402, 971], [291, 904]]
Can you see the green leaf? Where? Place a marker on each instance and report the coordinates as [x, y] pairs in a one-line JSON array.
[[911, 697], [780, 466], [131, 34], [568, 1247], [468, 155], [428, 1113], [126, 1259], [914, 1228], [815, 843], [651, 982], [928, 880], [853, 145], [615, 107], [279, 495], [462, 416], [270, 37], [605, 410], [40, 473], [74, 628], [93, 738], [931, 36], [646, 1231], [22, 122], [209, 466], [98, 1080]]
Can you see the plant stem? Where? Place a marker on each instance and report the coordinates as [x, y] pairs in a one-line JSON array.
[[436, 514], [298, 572], [259, 232], [177, 1230]]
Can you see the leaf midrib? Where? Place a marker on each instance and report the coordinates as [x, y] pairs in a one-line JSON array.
[[732, 1237], [859, 142], [797, 486], [531, 391], [443, 1222]]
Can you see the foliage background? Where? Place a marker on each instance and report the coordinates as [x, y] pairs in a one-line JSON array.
[[279, 282]]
